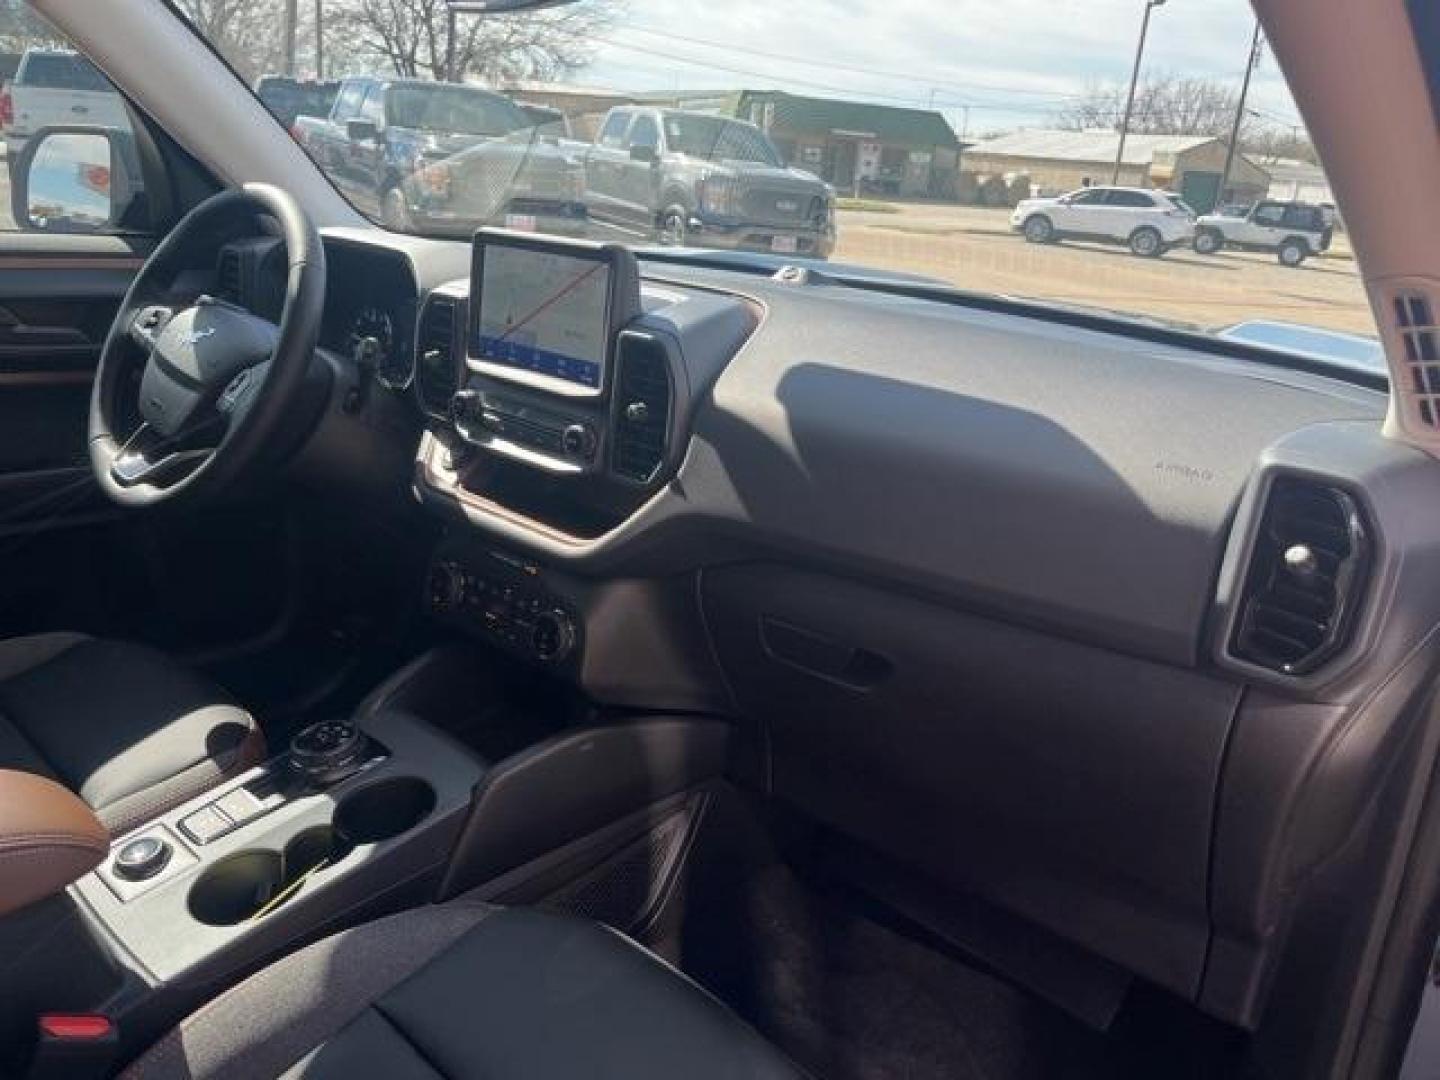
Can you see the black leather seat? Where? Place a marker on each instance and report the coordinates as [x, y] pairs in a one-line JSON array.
[[462, 991], [128, 730]]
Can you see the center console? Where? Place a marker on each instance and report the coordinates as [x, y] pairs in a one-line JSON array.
[[560, 388]]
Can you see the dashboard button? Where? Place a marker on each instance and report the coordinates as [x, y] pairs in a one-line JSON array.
[[142, 858], [578, 440], [206, 824]]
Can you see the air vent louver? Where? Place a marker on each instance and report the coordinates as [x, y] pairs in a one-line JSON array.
[[1307, 570], [436, 375], [642, 408], [228, 277], [1420, 341]]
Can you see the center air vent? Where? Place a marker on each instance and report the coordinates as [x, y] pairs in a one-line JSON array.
[[436, 369], [642, 408], [1307, 572]]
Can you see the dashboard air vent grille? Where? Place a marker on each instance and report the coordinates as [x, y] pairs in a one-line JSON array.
[[642, 404], [1307, 570], [1420, 338], [436, 370], [228, 277]]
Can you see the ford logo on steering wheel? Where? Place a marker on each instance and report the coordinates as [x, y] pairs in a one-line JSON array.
[[194, 337]]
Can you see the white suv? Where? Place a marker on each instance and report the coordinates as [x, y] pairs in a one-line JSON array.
[[1148, 222]]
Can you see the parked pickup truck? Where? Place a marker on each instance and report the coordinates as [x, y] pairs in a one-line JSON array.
[[687, 178], [443, 157], [55, 88], [1292, 230]]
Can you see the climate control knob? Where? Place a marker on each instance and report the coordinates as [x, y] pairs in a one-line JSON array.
[[578, 441], [552, 637], [465, 408]]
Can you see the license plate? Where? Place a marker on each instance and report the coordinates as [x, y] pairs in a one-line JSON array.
[[521, 222], [786, 206], [786, 244]]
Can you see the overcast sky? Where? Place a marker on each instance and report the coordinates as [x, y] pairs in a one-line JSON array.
[[1013, 62]]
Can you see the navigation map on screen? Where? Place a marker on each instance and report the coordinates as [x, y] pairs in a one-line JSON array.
[[544, 313]]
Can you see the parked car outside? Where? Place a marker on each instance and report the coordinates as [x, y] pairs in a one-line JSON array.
[[443, 157], [52, 88], [1294, 231], [290, 98], [1148, 222], [696, 179]]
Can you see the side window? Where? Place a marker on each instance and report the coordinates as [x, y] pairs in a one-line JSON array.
[[74, 181], [1303, 217], [373, 108], [347, 105], [645, 132], [1130, 199], [613, 133], [1269, 214], [1090, 197]]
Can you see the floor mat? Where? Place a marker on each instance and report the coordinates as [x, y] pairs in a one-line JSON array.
[[818, 970]]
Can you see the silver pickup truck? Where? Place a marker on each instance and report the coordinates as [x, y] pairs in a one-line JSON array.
[[695, 179]]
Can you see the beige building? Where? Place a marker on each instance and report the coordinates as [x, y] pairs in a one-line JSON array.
[[1060, 161]]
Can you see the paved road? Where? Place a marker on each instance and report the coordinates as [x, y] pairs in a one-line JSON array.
[[974, 248]]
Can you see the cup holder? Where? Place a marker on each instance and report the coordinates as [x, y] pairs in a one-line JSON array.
[[384, 810], [249, 883]]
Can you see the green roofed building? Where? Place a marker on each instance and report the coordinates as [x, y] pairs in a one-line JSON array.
[[858, 147]]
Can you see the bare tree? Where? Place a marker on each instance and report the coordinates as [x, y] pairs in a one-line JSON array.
[[1165, 104], [1274, 141], [409, 36], [21, 28], [249, 33]]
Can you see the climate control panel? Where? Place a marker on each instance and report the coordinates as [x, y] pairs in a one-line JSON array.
[[504, 603]]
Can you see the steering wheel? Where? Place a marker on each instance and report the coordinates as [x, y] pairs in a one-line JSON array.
[[218, 382]]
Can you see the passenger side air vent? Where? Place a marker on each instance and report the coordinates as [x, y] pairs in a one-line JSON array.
[[1305, 580], [436, 366], [642, 407], [228, 277]]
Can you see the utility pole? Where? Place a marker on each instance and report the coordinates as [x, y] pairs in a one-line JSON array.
[[292, 14], [1251, 63], [450, 19], [319, 41], [1150, 5]]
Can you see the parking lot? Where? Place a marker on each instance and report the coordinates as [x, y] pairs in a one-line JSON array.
[[973, 247]]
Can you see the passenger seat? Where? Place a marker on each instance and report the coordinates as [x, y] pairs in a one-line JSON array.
[[467, 991]]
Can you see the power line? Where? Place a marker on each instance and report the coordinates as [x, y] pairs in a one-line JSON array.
[[850, 91], [835, 65]]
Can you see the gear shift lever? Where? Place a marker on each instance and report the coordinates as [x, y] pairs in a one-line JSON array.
[[327, 752]]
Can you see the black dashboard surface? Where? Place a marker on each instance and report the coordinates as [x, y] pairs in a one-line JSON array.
[[1071, 479], [947, 556]]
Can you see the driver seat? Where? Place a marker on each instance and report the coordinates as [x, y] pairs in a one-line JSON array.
[[130, 731]]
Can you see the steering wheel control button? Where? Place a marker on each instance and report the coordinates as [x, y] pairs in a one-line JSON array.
[[142, 858]]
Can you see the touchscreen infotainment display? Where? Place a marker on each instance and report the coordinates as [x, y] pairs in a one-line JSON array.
[[545, 313]]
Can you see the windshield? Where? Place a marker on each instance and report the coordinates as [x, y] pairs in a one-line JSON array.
[[718, 140], [931, 139], [451, 110]]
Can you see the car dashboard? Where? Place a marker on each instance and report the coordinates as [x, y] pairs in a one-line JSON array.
[[1119, 635]]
